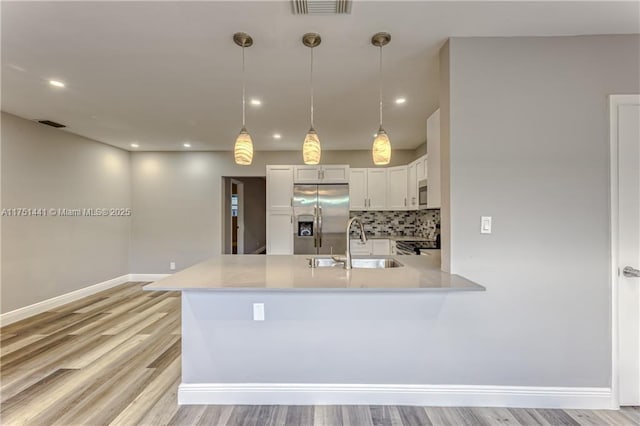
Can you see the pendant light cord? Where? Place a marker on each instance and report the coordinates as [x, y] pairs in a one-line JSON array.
[[311, 78], [380, 86], [243, 90]]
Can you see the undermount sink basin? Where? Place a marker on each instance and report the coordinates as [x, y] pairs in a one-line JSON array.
[[382, 263]]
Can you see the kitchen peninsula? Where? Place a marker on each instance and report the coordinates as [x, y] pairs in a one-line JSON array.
[[273, 330]]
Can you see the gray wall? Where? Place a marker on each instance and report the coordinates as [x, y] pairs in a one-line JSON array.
[[177, 200], [44, 257], [528, 144]]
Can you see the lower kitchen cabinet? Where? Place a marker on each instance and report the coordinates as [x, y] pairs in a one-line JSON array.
[[371, 247], [279, 232]]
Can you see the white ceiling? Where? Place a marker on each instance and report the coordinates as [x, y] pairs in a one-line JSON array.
[[162, 73]]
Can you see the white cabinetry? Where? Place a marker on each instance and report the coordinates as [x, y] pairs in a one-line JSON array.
[[359, 249], [279, 210], [412, 186], [371, 247], [279, 232], [421, 168], [380, 247], [368, 189], [433, 169], [279, 187], [358, 189], [377, 189], [321, 174], [397, 188]]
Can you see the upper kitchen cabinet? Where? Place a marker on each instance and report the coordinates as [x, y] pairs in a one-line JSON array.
[[368, 189], [279, 187], [321, 174], [433, 161], [397, 188], [377, 189], [421, 168], [358, 189], [412, 186], [279, 209]]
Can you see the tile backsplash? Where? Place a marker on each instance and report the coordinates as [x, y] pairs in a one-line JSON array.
[[421, 223]]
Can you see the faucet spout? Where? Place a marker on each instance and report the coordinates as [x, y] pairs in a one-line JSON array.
[[363, 238]]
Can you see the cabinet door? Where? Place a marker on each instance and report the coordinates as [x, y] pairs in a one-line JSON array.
[[279, 187], [335, 174], [358, 189], [421, 168], [359, 249], [376, 189], [380, 247], [412, 186], [279, 232], [397, 188], [307, 174], [433, 160]]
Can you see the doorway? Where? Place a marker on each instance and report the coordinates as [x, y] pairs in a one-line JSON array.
[[625, 247], [237, 217], [244, 215]]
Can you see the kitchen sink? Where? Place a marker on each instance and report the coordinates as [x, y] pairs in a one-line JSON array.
[[381, 263]]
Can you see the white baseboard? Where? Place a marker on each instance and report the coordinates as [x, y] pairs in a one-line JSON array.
[[420, 395], [54, 302], [147, 277]]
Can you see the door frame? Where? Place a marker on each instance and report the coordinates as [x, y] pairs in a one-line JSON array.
[[240, 236], [614, 102]]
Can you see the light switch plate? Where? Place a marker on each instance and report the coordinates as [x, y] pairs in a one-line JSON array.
[[172, 266], [485, 225], [258, 311]]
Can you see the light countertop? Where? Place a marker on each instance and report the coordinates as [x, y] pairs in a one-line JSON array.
[[292, 273], [393, 238]]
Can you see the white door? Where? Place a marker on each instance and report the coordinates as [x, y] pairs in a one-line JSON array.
[[279, 232], [421, 167], [397, 188], [279, 187], [307, 174], [376, 189], [625, 167], [358, 189], [335, 174], [412, 186]]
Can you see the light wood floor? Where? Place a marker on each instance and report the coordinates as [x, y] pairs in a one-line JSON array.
[[114, 358]]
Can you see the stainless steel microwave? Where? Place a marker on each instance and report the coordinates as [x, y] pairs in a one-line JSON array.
[[422, 194]]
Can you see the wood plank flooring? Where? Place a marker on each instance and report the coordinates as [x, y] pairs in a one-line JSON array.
[[114, 358]]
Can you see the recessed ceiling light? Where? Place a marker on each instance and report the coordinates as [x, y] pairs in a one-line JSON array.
[[186, 145], [401, 100], [135, 145], [277, 135], [256, 102], [56, 83]]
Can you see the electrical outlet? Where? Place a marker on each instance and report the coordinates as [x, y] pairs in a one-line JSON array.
[[172, 266], [258, 311], [485, 225]]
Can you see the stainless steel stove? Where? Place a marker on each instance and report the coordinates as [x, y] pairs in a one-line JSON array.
[[414, 247]]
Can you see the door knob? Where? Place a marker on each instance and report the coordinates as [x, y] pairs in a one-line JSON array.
[[630, 272]]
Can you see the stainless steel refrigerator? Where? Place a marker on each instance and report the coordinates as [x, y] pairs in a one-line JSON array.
[[321, 214]]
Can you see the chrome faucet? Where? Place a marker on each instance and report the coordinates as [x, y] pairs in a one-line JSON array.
[[363, 238]]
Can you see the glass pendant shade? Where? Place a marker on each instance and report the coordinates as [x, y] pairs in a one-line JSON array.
[[381, 148], [243, 150], [311, 149]]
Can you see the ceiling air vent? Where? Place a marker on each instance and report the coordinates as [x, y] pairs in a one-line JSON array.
[[51, 123], [321, 7]]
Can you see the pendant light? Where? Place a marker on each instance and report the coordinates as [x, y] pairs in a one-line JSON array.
[[243, 149], [311, 149], [381, 145]]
